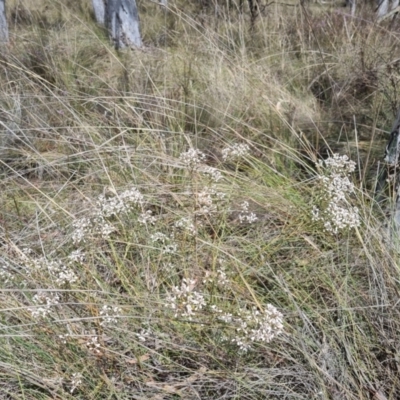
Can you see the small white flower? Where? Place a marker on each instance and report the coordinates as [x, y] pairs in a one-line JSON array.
[[187, 224], [315, 213], [213, 173], [159, 237], [97, 224], [246, 215], [81, 228], [5, 275], [144, 335], [77, 256], [44, 302], [235, 152], [121, 203], [147, 218], [109, 315], [76, 380], [170, 248], [255, 326], [185, 301], [338, 214], [192, 158], [93, 345]]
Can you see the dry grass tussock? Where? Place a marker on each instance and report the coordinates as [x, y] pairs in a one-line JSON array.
[[167, 229]]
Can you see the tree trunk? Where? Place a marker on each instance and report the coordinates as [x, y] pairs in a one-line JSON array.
[[99, 9], [121, 19], [353, 4], [3, 23], [383, 8]]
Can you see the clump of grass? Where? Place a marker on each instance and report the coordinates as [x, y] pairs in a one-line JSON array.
[[158, 235]]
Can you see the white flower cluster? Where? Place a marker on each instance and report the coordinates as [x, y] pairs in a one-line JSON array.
[[246, 215], [159, 237], [76, 256], [109, 315], [186, 224], [212, 173], [192, 158], [93, 345], [64, 338], [85, 228], [185, 301], [61, 274], [338, 164], [206, 200], [144, 335], [76, 381], [167, 247], [97, 223], [118, 204], [255, 326], [147, 217], [218, 277], [235, 152], [44, 301], [337, 187], [5, 275], [82, 227]]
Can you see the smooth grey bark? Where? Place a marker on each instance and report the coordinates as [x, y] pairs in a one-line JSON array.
[[99, 9], [383, 8], [121, 19], [3, 23], [395, 4], [352, 5]]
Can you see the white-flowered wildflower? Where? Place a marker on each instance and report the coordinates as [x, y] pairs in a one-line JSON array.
[[147, 217], [171, 248], [218, 277], [256, 326], [76, 381], [109, 315], [235, 152], [120, 203], [76, 256], [82, 227], [315, 213], [63, 338], [5, 275], [43, 301], [105, 229], [167, 247], [97, 223], [159, 237], [221, 315], [186, 224], [184, 300], [213, 173], [93, 345], [339, 164], [192, 158], [62, 274], [338, 214], [246, 215], [205, 203], [143, 335], [226, 317]]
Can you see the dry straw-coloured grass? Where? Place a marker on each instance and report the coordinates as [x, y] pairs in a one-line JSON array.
[[93, 273]]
